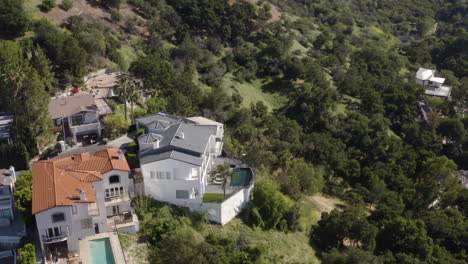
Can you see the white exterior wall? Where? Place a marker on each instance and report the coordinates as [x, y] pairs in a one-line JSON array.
[[44, 221], [224, 212], [165, 190], [124, 201]]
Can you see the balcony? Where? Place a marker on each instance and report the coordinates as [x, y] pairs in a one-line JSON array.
[[117, 199], [75, 129], [58, 234]]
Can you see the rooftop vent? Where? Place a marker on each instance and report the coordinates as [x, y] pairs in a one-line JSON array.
[[182, 135]]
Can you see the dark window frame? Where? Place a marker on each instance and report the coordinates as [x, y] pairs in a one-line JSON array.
[[55, 215], [112, 179]]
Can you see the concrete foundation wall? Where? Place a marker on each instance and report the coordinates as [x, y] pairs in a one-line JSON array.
[[224, 212]]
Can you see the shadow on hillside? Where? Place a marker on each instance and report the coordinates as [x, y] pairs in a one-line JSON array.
[[278, 86]]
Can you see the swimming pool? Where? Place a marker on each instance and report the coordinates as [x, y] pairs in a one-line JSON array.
[[242, 177], [101, 251]]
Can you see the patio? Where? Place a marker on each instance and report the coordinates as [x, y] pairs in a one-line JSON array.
[[216, 187]]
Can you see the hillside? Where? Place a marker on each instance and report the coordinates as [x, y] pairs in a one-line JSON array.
[[319, 96]]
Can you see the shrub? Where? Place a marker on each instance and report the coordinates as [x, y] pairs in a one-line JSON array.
[[67, 4], [115, 126], [27, 254], [140, 132], [47, 5], [115, 15]]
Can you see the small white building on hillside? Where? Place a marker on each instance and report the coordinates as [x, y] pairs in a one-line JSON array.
[[434, 85], [176, 158]]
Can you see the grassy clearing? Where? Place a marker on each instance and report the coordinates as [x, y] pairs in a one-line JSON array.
[[278, 246], [31, 6], [296, 46], [252, 92], [322, 204], [134, 252], [213, 197]]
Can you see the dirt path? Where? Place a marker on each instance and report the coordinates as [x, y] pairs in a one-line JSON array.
[[325, 204]]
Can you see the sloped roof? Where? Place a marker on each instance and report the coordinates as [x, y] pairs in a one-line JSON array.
[[179, 138], [69, 105], [56, 182]]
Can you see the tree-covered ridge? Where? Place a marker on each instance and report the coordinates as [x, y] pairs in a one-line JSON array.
[[346, 127]]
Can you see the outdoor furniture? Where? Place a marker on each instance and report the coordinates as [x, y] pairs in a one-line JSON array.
[[218, 180]]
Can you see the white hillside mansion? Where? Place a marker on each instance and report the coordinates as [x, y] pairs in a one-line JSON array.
[[176, 157], [79, 196], [434, 85]]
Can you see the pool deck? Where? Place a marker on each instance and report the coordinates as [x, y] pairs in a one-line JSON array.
[[85, 252]]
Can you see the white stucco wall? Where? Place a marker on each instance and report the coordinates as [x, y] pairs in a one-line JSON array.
[[224, 212], [165, 190], [123, 182]]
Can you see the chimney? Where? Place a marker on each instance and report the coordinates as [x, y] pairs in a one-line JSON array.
[[82, 195], [156, 144], [182, 135], [77, 157], [121, 155]]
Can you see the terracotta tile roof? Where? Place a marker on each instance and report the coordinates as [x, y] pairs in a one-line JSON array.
[[57, 182]]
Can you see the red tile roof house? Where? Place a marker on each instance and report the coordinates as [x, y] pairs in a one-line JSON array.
[[79, 196]]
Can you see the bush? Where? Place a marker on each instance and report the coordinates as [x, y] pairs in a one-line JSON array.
[[115, 15], [269, 207], [47, 5], [23, 195], [115, 126], [27, 254], [67, 4], [140, 132]]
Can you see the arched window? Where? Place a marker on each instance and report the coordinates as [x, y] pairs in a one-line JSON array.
[[114, 179], [58, 217]]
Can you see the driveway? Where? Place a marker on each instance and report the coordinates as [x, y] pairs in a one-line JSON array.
[[121, 143]]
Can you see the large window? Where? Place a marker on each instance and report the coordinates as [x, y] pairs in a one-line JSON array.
[[182, 194], [77, 120], [58, 217], [161, 175], [54, 232], [114, 192], [114, 179]]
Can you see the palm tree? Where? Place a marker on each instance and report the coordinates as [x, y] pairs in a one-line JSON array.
[[225, 172], [134, 95], [126, 91], [122, 90]]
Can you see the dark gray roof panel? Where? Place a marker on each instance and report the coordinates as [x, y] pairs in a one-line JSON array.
[[177, 155], [179, 138], [150, 138]]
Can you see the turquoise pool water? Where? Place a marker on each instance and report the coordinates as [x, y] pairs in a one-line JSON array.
[[101, 251], [241, 177]]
